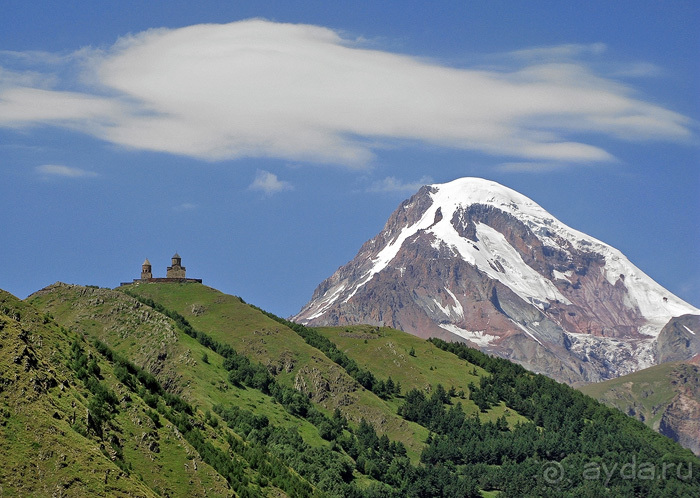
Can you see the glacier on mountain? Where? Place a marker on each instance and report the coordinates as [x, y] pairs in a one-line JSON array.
[[586, 299]]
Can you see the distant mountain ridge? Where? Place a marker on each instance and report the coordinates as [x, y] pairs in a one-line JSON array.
[[479, 262]]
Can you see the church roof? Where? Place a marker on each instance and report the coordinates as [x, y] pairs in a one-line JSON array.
[[177, 256], [147, 262]]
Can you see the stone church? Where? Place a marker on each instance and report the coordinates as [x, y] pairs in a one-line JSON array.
[[174, 273]]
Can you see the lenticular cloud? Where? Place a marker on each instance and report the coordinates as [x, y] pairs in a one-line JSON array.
[[304, 93]]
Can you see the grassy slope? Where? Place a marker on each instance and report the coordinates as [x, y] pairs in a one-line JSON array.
[[153, 342], [643, 394], [227, 319], [42, 404], [386, 352]]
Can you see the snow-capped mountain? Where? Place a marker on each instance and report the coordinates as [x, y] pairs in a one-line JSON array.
[[476, 261]]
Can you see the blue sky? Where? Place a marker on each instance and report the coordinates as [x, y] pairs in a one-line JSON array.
[[266, 141]]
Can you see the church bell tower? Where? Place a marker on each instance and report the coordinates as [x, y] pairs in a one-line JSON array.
[[176, 270], [146, 272]]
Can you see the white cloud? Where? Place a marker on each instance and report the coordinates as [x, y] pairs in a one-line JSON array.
[[639, 70], [269, 183], [530, 167], [565, 51], [186, 206], [304, 93], [64, 171], [393, 184], [27, 106], [11, 79]]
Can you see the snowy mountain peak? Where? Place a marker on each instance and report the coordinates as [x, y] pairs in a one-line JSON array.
[[654, 302], [475, 260], [464, 192], [472, 190]]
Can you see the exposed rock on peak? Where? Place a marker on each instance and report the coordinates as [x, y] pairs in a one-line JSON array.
[[476, 261]]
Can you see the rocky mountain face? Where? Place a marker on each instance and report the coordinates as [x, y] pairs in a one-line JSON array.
[[681, 419], [474, 261], [665, 397]]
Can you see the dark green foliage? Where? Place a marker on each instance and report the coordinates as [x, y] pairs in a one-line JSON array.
[[153, 415], [364, 377], [287, 447], [93, 368], [331, 469], [567, 429], [103, 402], [104, 350], [123, 375], [150, 399], [177, 403], [210, 419], [242, 371], [463, 455], [148, 381], [242, 421], [181, 414], [181, 322], [332, 429]]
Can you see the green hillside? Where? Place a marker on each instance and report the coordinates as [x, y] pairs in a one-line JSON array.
[[665, 397], [644, 394], [190, 390], [153, 342], [415, 364], [49, 438], [295, 364]]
